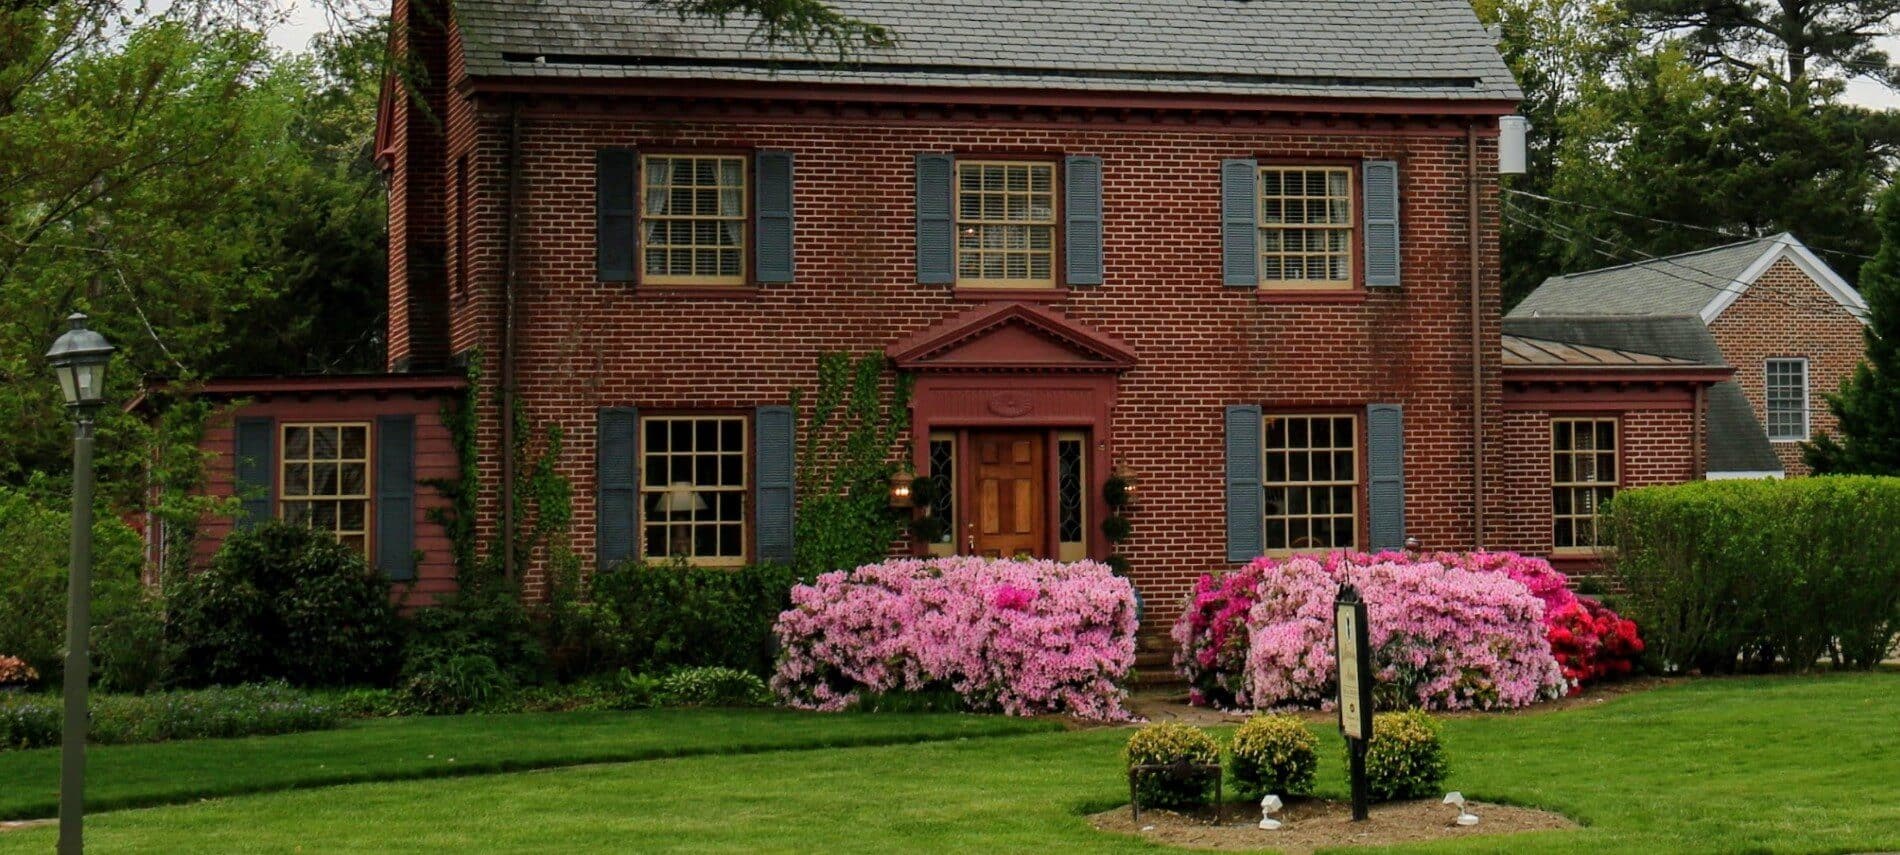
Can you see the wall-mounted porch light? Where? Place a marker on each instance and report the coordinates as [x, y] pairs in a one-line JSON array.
[[901, 482]]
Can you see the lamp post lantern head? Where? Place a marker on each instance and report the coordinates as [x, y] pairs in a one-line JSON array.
[[79, 358]]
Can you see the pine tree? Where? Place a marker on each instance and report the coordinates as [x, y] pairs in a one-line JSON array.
[[1868, 404]]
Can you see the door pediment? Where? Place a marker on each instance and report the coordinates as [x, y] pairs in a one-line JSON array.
[[1016, 337]]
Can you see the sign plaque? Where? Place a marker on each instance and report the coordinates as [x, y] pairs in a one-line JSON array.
[[1353, 648]]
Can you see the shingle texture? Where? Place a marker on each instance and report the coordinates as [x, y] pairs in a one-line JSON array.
[[1385, 48], [1737, 442], [1676, 285]]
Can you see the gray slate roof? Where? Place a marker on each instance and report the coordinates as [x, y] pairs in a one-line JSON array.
[[1737, 442], [1677, 285], [1338, 48]]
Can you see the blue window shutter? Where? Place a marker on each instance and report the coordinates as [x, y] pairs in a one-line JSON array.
[[616, 486], [1246, 524], [396, 496], [773, 503], [1082, 226], [256, 460], [616, 206], [1385, 471], [936, 222], [1381, 181], [1239, 223], [772, 253]]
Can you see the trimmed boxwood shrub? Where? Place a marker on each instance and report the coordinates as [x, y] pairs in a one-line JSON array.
[[282, 602], [1274, 754], [662, 617], [1761, 575], [1405, 758], [1167, 743]]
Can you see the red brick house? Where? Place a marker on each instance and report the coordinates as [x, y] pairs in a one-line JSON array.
[[1252, 264], [1778, 313]]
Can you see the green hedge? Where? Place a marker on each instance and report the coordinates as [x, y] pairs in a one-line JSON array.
[[35, 536], [33, 721], [1761, 575], [652, 619]]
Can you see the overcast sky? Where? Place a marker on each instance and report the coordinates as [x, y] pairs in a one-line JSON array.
[[306, 19]]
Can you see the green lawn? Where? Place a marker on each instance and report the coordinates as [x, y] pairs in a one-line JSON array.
[[1760, 765]]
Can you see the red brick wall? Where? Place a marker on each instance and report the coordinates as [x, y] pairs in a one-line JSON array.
[[417, 321], [435, 459], [586, 344], [1786, 314]]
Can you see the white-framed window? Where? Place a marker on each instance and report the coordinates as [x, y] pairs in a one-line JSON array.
[[693, 219], [1306, 227], [1311, 482], [326, 479], [1787, 397], [1006, 224], [1584, 473], [694, 486]]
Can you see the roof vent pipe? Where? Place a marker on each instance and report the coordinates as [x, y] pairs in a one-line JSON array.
[[1512, 159]]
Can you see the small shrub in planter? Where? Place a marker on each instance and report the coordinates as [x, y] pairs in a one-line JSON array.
[[1274, 754], [1167, 743], [456, 685], [713, 687], [1405, 758]]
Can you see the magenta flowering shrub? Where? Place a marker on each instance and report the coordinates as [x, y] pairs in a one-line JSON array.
[[1020, 637], [1444, 637]]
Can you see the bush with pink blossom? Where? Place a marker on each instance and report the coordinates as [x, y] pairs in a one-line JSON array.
[[1016, 636], [1444, 637]]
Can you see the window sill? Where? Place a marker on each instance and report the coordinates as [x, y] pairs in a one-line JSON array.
[[1357, 295], [1036, 295], [695, 292], [1788, 441]]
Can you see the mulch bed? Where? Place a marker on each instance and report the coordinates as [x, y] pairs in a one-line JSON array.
[[1312, 824]]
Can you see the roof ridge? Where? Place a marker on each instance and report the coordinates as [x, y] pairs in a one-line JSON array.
[[1665, 259]]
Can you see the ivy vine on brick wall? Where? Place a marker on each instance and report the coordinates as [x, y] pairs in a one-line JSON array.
[[855, 418]]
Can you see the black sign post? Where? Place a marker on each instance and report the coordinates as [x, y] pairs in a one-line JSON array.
[[1354, 649]]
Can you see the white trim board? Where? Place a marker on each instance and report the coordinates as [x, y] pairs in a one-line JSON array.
[[1746, 476], [1790, 247]]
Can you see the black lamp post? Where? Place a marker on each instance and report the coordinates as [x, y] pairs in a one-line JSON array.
[[79, 357]]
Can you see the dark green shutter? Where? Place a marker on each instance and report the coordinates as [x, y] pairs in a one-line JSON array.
[[616, 205], [256, 461], [936, 222], [396, 496], [616, 486], [1239, 223], [773, 502], [1082, 225], [1385, 471], [1381, 181], [772, 255], [1246, 525]]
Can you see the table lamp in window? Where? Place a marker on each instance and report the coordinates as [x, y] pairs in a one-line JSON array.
[[680, 499]]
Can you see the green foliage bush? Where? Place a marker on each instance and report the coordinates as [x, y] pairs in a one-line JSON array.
[[1405, 759], [488, 621], [713, 687], [1761, 574], [35, 536], [1167, 743], [1274, 754], [33, 721], [456, 685], [658, 618], [282, 602]]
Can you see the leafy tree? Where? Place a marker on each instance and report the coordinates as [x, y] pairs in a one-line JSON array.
[[1789, 43], [1868, 404]]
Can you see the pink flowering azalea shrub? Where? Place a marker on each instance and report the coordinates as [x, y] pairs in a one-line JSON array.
[[1020, 637], [1210, 639], [1444, 637]]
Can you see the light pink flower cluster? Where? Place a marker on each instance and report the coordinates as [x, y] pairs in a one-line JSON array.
[[1022, 637], [1444, 637]]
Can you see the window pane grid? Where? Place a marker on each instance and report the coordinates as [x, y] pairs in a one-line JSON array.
[[1306, 226], [1311, 482], [694, 488], [325, 478], [693, 219], [1006, 224], [1787, 394], [1584, 477]]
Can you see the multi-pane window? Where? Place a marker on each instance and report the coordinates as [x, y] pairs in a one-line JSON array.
[[326, 480], [1006, 224], [693, 488], [1583, 478], [693, 219], [1788, 400], [1305, 227], [1311, 481]]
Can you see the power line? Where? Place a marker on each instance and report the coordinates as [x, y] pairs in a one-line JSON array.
[[1659, 221]]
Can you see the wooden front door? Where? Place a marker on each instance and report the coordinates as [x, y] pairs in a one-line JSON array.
[[1008, 516]]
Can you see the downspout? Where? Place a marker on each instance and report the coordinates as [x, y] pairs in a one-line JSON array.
[[1700, 466], [1477, 338], [510, 271]]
